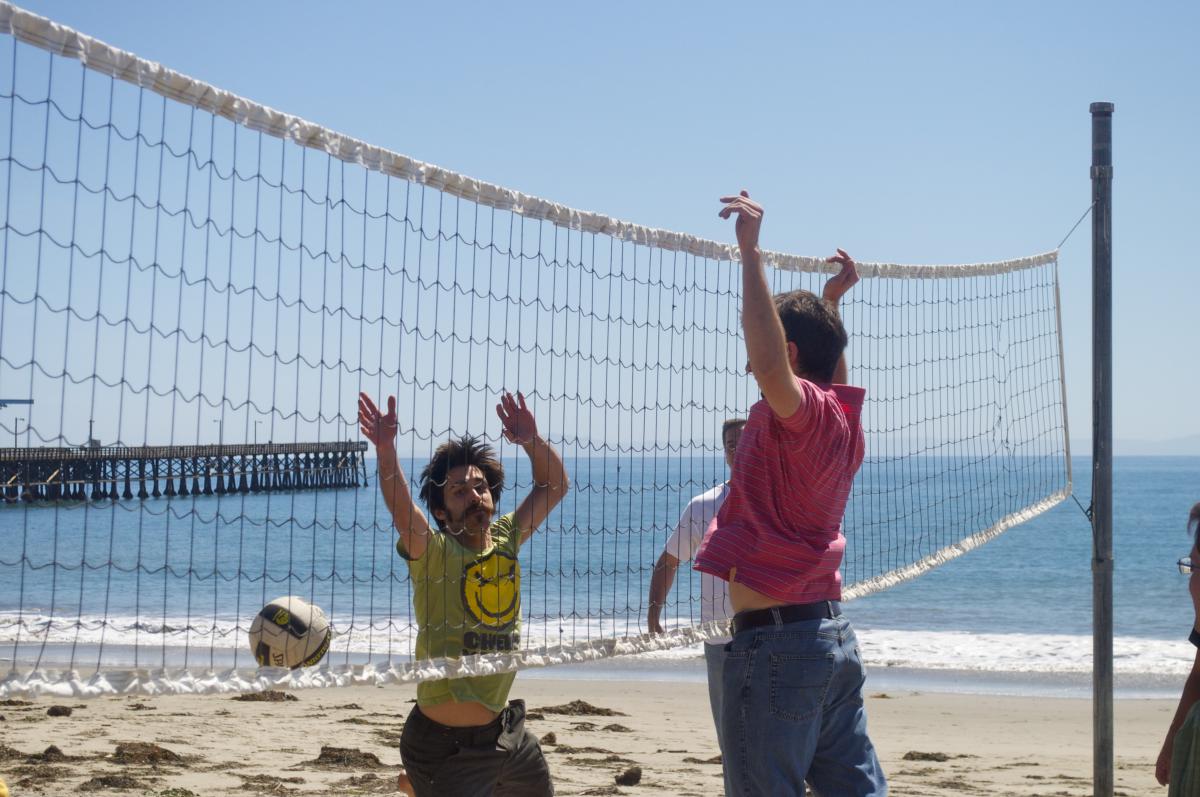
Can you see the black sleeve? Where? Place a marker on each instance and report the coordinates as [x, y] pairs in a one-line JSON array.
[[1194, 637]]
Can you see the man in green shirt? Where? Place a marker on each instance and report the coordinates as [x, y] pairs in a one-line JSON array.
[[463, 737]]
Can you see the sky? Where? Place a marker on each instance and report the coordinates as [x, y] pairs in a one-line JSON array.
[[935, 132]]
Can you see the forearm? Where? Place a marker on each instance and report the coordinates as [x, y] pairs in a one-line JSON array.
[[549, 472], [550, 484], [841, 372], [834, 290], [660, 585], [394, 488], [388, 464], [766, 345]]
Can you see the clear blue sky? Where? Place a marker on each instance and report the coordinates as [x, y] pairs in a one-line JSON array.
[[925, 133]]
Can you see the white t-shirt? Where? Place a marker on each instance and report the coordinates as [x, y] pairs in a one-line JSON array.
[[686, 539]]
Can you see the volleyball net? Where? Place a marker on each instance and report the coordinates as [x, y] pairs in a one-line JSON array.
[[194, 289]]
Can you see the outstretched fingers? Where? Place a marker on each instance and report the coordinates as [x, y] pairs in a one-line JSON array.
[[506, 407], [504, 411], [849, 273], [743, 194], [515, 417], [841, 257], [376, 426], [742, 205], [366, 405], [368, 415], [844, 280]]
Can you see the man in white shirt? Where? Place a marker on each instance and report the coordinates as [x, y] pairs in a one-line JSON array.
[[714, 593]]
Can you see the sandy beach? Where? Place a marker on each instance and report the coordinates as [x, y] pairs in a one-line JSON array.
[[345, 742]]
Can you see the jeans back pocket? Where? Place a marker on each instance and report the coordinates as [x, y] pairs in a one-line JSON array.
[[798, 685]]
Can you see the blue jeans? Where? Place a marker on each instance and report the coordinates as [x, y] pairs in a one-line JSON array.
[[793, 712], [714, 657]]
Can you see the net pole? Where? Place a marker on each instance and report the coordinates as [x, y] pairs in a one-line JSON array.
[[1102, 560]]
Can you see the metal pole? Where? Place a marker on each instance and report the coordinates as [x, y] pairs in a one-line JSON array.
[[1102, 561]]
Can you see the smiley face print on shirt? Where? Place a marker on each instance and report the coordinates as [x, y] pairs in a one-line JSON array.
[[491, 590]]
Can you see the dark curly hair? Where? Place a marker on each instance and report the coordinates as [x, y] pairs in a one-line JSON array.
[[814, 326], [454, 453], [1194, 522]]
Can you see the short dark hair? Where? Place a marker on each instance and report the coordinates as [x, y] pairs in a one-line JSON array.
[[814, 326], [1194, 522], [731, 423], [455, 453]]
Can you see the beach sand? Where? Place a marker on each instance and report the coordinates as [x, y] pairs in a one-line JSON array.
[[345, 741]]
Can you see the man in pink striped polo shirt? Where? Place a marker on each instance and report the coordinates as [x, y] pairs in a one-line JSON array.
[[793, 707]]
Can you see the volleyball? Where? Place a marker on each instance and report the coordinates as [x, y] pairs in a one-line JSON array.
[[289, 632]]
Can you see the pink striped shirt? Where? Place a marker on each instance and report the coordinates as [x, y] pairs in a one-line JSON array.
[[781, 524]]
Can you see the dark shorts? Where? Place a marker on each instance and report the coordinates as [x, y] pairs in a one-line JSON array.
[[500, 758]]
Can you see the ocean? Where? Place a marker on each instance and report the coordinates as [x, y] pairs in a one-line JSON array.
[[1015, 616], [187, 575]]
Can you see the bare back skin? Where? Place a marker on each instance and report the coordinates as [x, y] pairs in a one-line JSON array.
[[742, 598], [460, 715]]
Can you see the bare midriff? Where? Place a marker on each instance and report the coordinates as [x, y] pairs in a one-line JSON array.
[[460, 715], [742, 598]]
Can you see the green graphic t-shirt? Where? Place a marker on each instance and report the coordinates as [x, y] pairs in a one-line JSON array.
[[467, 602]]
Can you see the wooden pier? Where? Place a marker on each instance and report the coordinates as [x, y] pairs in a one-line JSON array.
[[119, 472]]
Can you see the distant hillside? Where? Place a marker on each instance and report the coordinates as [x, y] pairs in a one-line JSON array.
[[1185, 446]]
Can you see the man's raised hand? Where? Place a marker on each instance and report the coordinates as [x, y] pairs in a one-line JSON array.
[[380, 429], [518, 422], [840, 283], [749, 221]]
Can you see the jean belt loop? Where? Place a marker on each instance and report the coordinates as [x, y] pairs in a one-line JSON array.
[[776, 616], [841, 629]]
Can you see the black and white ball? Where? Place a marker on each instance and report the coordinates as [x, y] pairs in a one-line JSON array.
[[289, 632]]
